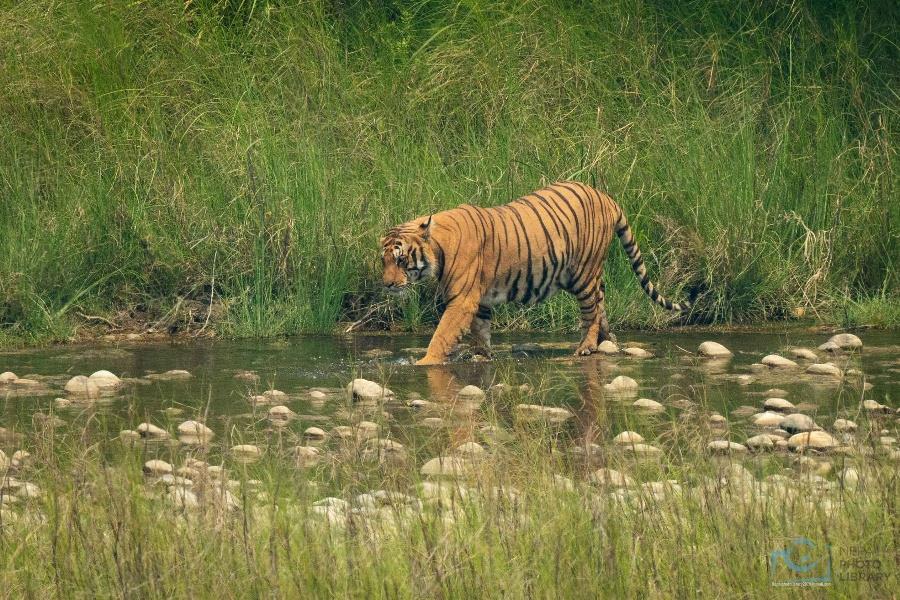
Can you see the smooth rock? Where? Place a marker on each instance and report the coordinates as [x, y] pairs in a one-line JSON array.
[[82, 387], [844, 425], [725, 447], [368, 391], [760, 442], [797, 423], [778, 362], [607, 347], [628, 437], [157, 467], [317, 395], [622, 383], [846, 341], [281, 412], [195, 428], [149, 430], [7, 377], [272, 396], [611, 478], [4, 462], [471, 392], [830, 347], [768, 419], [534, 412], [105, 380], [713, 350], [873, 406], [448, 466], [635, 352], [470, 449], [803, 353], [824, 369], [306, 456], [819, 440], [246, 451], [648, 405], [181, 497], [778, 404], [173, 375], [641, 449], [849, 478], [314, 433]]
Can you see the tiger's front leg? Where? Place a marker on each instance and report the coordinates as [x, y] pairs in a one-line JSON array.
[[455, 321]]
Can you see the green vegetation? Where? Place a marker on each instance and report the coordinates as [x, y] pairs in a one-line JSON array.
[[533, 519], [161, 158]]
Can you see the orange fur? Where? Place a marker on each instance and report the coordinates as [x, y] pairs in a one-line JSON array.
[[554, 239]]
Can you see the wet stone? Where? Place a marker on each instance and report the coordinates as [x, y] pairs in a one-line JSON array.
[[760, 442], [803, 353], [797, 423], [105, 380], [157, 468], [535, 412], [82, 387], [819, 440], [844, 425], [368, 391], [713, 350], [628, 437], [471, 392], [607, 347], [824, 369], [151, 431], [195, 428], [635, 352], [778, 404], [446, 466], [725, 447], [647, 405], [846, 341], [778, 362], [623, 384], [172, 375], [7, 377]]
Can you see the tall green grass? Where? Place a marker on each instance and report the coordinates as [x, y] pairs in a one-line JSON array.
[[251, 153]]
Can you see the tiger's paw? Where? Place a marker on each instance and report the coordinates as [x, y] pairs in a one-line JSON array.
[[586, 350], [426, 361]]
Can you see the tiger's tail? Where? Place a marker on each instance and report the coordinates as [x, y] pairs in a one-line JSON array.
[[623, 230]]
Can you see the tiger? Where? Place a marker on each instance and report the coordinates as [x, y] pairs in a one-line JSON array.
[[553, 239]]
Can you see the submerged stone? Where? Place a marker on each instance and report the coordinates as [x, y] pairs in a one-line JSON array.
[[648, 405], [779, 404], [105, 380], [846, 341], [149, 430], [803, 353], [82, 387], [368, 391], [776, 361], [824, 369], [622, 383], [797, 423], [607, 347], [636, 352]]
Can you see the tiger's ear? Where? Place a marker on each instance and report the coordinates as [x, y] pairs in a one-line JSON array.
[[426, 228]]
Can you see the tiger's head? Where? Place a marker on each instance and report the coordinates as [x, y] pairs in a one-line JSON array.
[[407, 255]]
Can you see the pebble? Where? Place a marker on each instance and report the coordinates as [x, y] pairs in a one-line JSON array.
[[534, 412], [725, 447], [314, 433], [611, 478], [803, 353], [819, 440], [873, 406], [628, 437], [776, 361], [778, 404], [824, 369], [367, 391], [318, 395], [768, 419], [149, 430], [105, 380], [82, 387], [713, 350], [846, 341], [760, 442], [449, 466], [7, 377], [797, 423], [844, 425], [471, 392], [622, 383], [157, 467], [636, 352], [649, 405], [607, 347], [195, 428]]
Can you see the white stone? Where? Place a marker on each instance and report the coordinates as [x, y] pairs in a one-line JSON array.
[[4, 462], [157, 467], [628, 437], [844, 425], [846, 341], [768, 419], [149, 430], [368, 391], [105, 380], [713, 350], [823, 369], [849, 477], [611, 478], [533, 412], [315, 433], [819, 440], [798, 422], [830, 347], [471, 392], [873, 406], [622, 383], [246, 451], [7, 377], [776, 361], [649, 405], [317, 395], [725, 447], [607, 347], [195, 428], [306, 456], [182, 497], [760, 442], [449, 466], [636, 352], [82, 387], [470, 449], [778, 404], [642, 449], [803, 353], [281, 412]]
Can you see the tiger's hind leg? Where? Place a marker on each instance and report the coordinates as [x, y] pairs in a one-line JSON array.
[[593, 318], [481, 331], [604, 333]]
